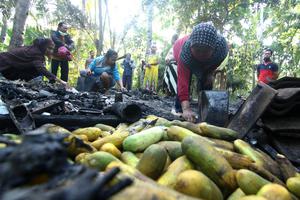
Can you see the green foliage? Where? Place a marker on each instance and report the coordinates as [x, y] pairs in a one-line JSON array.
[[6, 6], [235, 19], [285, 28], [65, 11], [3, 47], [83, 46], [240, 19], [32, 32]]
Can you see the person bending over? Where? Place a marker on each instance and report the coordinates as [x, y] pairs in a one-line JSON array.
[[199, 53], [28, 62]]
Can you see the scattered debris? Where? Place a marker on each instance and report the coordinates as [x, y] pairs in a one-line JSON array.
[[41, 162], [44, 101], [270, 118]]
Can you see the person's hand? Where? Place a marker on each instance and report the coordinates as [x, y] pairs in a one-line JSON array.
[[70, 47], [123, 89], [148, 65], [65, 84], [167, 61], [88, 72], [68, 87], [189, 115]]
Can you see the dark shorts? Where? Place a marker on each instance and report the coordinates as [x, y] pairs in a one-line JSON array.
[[91, 83]]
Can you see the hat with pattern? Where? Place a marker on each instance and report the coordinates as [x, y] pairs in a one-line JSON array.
[[204, 34]]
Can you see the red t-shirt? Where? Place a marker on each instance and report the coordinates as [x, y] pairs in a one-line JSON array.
[[266, 71], [183, 72]]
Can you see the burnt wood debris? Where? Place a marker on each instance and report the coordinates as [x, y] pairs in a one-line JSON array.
[[46, 157], [47, 103]]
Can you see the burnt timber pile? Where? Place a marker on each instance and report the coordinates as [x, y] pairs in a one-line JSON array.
[[270, 119], [48, 103], [158, 157], [281, 120]]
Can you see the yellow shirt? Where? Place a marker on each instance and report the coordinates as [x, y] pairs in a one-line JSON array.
[[153, 60]]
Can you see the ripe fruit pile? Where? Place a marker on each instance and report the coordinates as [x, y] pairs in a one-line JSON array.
[[182, 160]]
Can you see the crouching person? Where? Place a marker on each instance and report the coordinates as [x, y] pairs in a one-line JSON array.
[[28, 62], [106, 69]]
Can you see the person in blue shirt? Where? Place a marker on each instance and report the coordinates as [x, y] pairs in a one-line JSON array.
[[128, 66], [106, 69]]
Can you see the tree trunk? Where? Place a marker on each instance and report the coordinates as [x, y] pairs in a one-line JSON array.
[[6, 14], [100, 41], [149, 10], [149, 23], [253, 76], [83, 6], [3, 30], [114, 35], [127, 27], [21, 14], [111, 33], [95, 11], [94, 21]]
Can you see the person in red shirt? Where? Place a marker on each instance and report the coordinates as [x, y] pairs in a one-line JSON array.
[[267, 71], [199, 53]]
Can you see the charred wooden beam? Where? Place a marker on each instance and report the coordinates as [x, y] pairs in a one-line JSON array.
[[7, 125], [77, 121], [130, 112], [47, 106], [252, 109], [21, 117], [69, 122]]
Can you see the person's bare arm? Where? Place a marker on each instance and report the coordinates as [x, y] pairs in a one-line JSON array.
[[40, 67], [188, 114], [120, 84]]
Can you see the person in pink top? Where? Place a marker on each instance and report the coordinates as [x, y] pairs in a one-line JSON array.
[[199, 53]]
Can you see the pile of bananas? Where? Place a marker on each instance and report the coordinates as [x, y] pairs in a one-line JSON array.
[[180, 160]]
